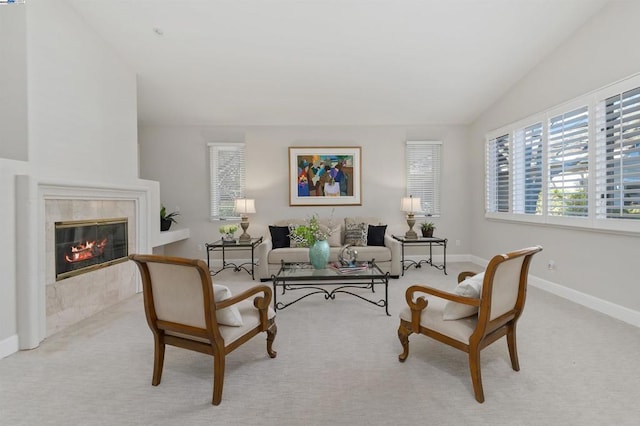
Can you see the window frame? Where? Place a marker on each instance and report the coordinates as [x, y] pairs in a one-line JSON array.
[[214, 150], [592, 221], [431, 200]]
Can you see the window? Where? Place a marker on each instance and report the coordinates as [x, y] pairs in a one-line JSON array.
[[574, 165], [619, 156], [568, 159], [227, 168], [527, 170], [497, 182], [423, 160]]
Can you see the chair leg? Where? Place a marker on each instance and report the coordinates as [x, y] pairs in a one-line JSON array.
[[271, 335], [218, 377], [403, 335], [476, 375], [158, 359], [513, 349]]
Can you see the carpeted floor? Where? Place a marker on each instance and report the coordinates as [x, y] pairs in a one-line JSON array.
[[337, 364]]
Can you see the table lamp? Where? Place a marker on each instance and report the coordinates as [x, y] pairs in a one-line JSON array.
[[244, 206], [410, 205]]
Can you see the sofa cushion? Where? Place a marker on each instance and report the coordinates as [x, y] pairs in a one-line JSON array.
[[289, 255], [356, 234], [293, 242], [379, 253], [335, 234], [375, 235], [279, 236]]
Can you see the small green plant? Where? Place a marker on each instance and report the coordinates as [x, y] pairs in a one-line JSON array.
[[307, 235], [428, 225], [170, 217], [228, 229]]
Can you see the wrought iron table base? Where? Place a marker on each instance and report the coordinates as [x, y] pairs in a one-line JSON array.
[[408, 263], [236, 268], [331, 295]]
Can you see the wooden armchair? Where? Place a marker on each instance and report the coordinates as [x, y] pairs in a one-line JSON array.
[[501, 301], [182, 311]]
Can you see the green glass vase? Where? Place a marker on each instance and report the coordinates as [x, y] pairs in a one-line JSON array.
[[319, 254]]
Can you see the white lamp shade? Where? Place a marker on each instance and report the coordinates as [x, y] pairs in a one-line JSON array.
[[245, 205], [411, 204]]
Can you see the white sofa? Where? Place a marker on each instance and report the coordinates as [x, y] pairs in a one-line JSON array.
[[387, 256]]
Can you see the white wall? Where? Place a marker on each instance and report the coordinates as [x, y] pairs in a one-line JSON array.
[[177, 157], [81, 125], [13, 82], [82, 99], [599, 264]]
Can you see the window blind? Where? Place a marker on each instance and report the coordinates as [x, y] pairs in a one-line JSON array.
[[497, 174], [423, 164], [568, 164], [618, 159], [227, 170], [527, 170]]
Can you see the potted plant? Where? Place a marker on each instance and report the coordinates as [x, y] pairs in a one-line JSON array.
[[427, 229], [167, 219], [227, 232]]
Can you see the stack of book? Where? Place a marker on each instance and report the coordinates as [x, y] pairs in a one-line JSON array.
[[358, 267]]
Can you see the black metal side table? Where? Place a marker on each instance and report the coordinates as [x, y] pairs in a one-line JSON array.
[[224, 246], [423, 241]]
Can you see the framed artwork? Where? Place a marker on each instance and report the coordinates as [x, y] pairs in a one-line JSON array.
[[325, 176]]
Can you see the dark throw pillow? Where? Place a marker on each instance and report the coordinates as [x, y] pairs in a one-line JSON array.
[[279, 236], [375, 237]]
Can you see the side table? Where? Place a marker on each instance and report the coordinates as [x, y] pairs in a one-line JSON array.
[[423, 241], [224, 246]]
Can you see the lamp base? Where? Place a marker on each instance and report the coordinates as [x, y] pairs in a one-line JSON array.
[[411, 234], [244, 238]]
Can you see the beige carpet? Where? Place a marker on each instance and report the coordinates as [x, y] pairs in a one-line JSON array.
[[337, 365]]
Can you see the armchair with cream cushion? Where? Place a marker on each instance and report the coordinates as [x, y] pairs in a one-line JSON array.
[[476, 314], [185, 309]]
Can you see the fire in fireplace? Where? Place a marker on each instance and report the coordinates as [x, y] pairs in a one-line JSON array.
[[86, 245]]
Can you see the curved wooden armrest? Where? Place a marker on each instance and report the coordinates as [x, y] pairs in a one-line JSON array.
[[260, 302], [464, 275], [264, 301], [438, 293], [420, 303]]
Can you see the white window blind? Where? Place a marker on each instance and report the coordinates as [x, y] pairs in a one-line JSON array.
[[497, 174], [227, 168], [527, 170], [618, 159], [568, 164], [423, 163]]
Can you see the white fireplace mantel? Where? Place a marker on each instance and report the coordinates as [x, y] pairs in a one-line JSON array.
[[31, 194]]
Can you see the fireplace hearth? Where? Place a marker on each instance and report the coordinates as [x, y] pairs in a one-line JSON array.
[[87, 245]]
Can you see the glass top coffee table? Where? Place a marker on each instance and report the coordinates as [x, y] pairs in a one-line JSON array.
[[303, 277]]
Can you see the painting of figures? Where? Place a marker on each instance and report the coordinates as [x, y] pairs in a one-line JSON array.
[[324, 176]]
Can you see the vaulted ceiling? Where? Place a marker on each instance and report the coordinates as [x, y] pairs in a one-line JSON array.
[[328, 62]]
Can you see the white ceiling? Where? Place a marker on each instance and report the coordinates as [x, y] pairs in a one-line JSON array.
[[329, 62]]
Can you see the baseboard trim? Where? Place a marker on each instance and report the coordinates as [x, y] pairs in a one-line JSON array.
[[599, 305], [8, 346]]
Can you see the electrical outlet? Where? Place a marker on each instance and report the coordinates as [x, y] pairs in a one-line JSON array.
[[551, 265], [177, 209], [200, 247], [457, 242]]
